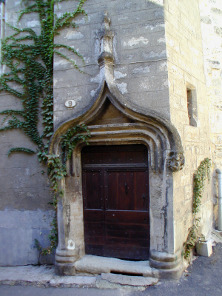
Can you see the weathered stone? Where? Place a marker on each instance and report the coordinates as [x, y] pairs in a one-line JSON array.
[[206, 20], [204, 248], [129, 280], [218, 31], [98, 265], [18, 231], [141, 58], [42, 276]]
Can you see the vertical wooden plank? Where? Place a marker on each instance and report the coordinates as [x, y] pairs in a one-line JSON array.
[[92, 189]]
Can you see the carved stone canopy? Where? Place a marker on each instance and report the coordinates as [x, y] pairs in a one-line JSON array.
[[110, 121], [112, 116]]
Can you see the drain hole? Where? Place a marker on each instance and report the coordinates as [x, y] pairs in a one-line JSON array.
[[126, 273]]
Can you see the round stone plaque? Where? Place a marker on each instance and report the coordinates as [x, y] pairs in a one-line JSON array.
[[70, 103]]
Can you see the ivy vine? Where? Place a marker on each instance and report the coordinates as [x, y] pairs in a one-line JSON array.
[[202, 173], [57, 170], [28, 58]]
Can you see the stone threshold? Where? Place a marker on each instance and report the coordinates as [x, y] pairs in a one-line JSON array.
[[98, 265]]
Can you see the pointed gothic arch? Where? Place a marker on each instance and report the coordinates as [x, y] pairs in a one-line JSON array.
[[114, 120], [112, 124]]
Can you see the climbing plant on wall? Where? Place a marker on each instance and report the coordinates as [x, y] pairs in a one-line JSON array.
[[202, 173], [27, 56]]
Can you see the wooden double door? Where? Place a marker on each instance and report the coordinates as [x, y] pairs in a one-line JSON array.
[[116, 201]]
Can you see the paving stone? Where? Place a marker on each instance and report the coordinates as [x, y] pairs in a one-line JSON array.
[[129, 280]]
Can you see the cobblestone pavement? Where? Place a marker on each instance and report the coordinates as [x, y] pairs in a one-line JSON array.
[[203, 278]]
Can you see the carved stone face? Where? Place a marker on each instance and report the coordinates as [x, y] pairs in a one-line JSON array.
[[176, 161]]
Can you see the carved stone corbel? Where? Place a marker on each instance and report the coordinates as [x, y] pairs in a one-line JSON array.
[[175, 161]]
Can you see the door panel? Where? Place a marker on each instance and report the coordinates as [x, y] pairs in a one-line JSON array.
[[120, 195], [140, 186], [92, 189], [115, 193]]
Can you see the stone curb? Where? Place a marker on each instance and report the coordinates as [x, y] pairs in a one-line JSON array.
[[44, 276]]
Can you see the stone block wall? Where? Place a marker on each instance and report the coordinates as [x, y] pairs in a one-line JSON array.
[[140, 67], [158, 53], [186, 71], [25, 214], [211, 25]]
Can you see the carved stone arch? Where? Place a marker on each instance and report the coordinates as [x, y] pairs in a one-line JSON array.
[[125, 127], [114, 120], [161, 137]]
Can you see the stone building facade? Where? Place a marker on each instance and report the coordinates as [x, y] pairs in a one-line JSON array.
[[151, 77]]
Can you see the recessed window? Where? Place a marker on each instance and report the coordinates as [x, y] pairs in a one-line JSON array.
[[192, 105]]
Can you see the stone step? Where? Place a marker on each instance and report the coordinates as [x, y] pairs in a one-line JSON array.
[[128, 280], [98, 265]]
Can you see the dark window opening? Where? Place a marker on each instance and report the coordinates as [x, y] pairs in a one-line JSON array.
[[192, 106]]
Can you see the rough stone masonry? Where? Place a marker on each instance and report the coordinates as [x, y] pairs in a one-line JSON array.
[[156, 63]]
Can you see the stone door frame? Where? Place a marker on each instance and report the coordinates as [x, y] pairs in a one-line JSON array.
[[138, 125], [165, 158]]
